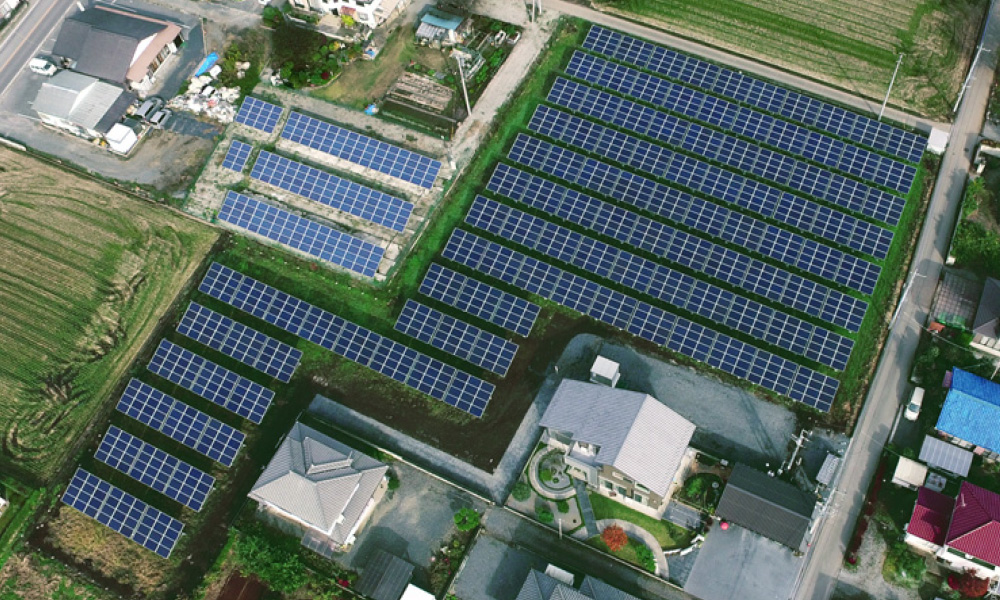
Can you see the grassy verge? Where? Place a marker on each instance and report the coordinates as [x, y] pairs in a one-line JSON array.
[[666, 533]]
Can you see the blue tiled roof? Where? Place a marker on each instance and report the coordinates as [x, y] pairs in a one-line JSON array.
[[972, 411]]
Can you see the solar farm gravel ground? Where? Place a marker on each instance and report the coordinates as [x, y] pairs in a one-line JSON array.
[[86, 275], [851, 44]]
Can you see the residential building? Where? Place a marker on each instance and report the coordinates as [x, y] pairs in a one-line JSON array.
[[971, 413], [626, 445], [81, 105], [322, 485], [117, 46], [384, 577], [973, 539], [928, 524], [986, 325], [767, 506], [541, 586], [371, 13]]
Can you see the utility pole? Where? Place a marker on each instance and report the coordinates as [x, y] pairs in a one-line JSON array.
[[899, 61], [465, 92], [799, 440]]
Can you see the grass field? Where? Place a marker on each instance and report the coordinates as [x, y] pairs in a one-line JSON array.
[[85, 274], [852, 44]]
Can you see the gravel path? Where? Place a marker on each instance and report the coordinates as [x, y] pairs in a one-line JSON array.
[[867, 578]]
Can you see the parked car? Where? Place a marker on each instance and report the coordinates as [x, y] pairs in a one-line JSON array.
[[149, 108], [42, 67], [916, 401], [160, 118]]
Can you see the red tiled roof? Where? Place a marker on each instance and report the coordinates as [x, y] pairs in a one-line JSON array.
[[975, 524], [930, 516]]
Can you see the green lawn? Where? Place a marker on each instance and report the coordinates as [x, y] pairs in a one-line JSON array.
[[668, 534]]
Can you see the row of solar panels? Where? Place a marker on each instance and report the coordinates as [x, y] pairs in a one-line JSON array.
[[159, 470], [341, 143]]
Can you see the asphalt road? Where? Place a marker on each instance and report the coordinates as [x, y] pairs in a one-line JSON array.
[[891, 386], [27, 35]]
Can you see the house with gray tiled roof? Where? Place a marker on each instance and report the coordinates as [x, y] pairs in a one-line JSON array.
[[324, 486], [540, 586], [626, 445]]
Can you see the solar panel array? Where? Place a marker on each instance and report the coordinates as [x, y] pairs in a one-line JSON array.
[[238, 341], [678, 289], [644, 320], [305, 235], [237, 156], [706, 218], [787, 136], [212, 382], [180, 422], [799, 213], [479, 299], [754, 92], [335, 192], [456, 337], [154, 468], [367, 348], [687, 250], [259, 114], [720, 147], [360, 149]]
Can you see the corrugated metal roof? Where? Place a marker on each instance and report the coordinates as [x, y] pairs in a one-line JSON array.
[[768, 506], [941, 454], [82, 100], [972, 410], [637, 434]]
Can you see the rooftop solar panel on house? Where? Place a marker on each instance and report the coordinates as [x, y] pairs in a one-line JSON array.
[[259, 114]]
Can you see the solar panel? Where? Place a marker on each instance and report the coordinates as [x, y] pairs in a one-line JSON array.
[[651, 323], [154, 468], [367, 348], [330, 190], [456, 337], [237, 156], [307, 236], [676, 288], [259, 114], [360, 149], [123, 513], [754, 92], [680, 247], [729, 116], [238, 341], [180, 422], [728, 187], [479, 299], [720, 147], [216, 384]]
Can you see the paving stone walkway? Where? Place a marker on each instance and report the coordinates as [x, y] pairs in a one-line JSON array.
[[590, 528]]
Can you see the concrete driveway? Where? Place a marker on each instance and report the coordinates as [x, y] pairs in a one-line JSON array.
[[412, 522]]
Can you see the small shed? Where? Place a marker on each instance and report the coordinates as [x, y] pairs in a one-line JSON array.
[[414, 593], [937, 141], [948, 457], [437, 26], [605, 372], [909, 473], [121, 138]]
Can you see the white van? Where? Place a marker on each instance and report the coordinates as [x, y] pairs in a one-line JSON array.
[[916, 401], [42, 67]]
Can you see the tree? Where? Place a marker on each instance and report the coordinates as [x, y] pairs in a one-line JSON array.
[[907, 568], [562, 506], [614, 537], [521, 491], [969, 585], [466, 519], [544, 514]]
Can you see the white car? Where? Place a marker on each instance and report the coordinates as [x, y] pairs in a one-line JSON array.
[[42, 67], [916, 401]]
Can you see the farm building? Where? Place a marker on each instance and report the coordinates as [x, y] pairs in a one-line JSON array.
[[443, 29], [81, 105]]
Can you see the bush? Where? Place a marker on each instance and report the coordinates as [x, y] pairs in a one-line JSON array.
[[393, 481], [545, 475], [645, 556], [544, 514], [271, 557], [969, 585], [903, 566], [521, 491], [466, 519], [614, 537], [562, 506]]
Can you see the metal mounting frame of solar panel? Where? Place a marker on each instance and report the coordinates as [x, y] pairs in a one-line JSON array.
[[651, 323], [728, 150], [258, 114], [155, 468], [479, 299], [215, 383], [806, 216], [360, 149], [123, 513], [237, 156], [380, 354], [236, 340], [754, 92], [181, 422], [336, 192], [305, 235], [678, 289], [683, 248], [729, 116], [456, 337]]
